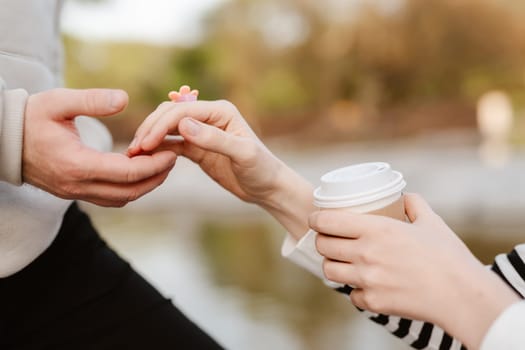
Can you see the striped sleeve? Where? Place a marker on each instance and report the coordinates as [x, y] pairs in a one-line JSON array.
[[418, 334], [423, 335]]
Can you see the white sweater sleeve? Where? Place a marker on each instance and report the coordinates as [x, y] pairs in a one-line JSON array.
[[12, 110], [507, 331]]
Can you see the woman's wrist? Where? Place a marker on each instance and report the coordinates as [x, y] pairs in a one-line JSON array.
[[480, 297], [291, 202]]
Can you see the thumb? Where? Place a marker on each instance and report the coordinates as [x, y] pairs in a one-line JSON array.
[[213, 139], [416, 207], [69, 103]]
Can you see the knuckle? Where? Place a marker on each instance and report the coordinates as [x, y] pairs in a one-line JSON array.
[[328, 269], [371, 279], [73, 170], [165, 105], [132, 176], [91, 101], [366, 255], [312, 220], [54, 94], [132, 196], [323, 221], [111, 204], [319, 244], [249, 152], [224, 102], [339, 253], [119, 204], [331, 270], [70, 191], [79, 172], [372, 301], [227, 105]]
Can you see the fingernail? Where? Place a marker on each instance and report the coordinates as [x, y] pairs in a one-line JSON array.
[[192, 127], [118, 99]]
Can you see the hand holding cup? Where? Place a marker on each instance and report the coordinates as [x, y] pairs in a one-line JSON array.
[[417, 269]]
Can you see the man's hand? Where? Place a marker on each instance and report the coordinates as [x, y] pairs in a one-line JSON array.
[[55, 160]]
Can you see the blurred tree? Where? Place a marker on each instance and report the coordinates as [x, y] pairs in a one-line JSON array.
[[345, 69]]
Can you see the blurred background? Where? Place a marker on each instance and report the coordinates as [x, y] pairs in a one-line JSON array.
[[436, 88]]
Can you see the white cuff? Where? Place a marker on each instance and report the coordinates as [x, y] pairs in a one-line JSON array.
[[304, 254], [12, 110], [507, 331]]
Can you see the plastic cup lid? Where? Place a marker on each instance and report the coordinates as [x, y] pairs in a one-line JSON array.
[[357, 185]]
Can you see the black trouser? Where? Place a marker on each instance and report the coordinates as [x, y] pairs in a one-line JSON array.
[[79, 294]]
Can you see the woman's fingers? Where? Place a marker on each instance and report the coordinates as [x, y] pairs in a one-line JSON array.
[[335, 248], [215, 140], [135, 146], [343, 223], [165, 121], [339, 272], [214, 113]]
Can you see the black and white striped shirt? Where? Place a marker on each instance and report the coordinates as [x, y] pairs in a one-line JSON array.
[[423, 335]]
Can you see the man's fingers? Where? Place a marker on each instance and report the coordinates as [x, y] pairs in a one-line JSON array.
[[416, 206], [117, 195], [117, 168], [69, 103]]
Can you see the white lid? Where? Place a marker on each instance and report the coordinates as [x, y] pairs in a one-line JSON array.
[[357, 185]]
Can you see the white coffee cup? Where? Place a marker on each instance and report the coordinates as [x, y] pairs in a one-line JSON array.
[[363, 188]]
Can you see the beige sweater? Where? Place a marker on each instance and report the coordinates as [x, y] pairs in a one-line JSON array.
[[30, 61]]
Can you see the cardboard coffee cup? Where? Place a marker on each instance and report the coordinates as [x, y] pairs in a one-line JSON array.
[[372, 188]]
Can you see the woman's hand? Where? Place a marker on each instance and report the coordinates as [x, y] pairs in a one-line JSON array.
[[216, 136], [420, 270]]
